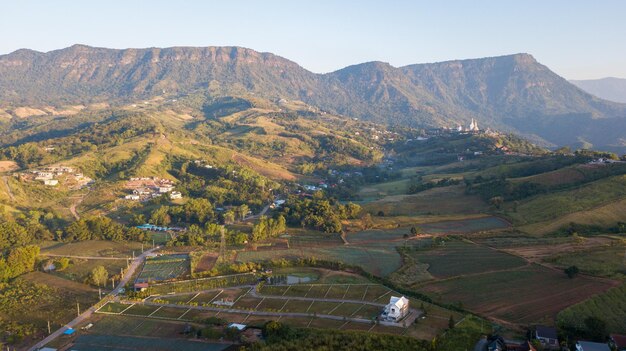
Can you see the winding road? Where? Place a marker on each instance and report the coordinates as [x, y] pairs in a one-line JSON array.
[[87, 313]]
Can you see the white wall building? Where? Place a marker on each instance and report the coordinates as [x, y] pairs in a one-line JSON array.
[[397, 309]]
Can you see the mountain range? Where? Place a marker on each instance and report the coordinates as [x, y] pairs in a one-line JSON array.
[[610, 88], [513, 93]]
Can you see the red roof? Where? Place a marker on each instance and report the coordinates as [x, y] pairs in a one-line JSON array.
[[620, 340], [141, 285]]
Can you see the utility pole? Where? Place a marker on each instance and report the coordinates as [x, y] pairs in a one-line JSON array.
[[99, 294], [112, 283], [142, 247], [153, 243], [49, 328], [222, 245], [77, 309]]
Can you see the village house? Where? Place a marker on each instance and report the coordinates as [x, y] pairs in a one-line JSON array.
[[618, 342], [176, 195], [165, 188], [44, 175], [140, 286], [397, 309], [132, 197], [591, 346], [141, 191], [547, 336], [50, 182]]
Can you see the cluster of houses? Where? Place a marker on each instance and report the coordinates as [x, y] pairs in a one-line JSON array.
[[603, 161], [548, 339], [51, 175], [146, 188]]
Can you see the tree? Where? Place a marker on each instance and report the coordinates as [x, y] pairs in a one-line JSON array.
[[366, 221], [451, 322], [571, 271], [62, 263], [242, 211], [99, 276], [415, 230], [161, 216], [596, 328], [229, 217], [496, 202]]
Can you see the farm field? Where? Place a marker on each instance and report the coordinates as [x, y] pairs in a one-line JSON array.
[[465, 226], [527, 295], [445, 200], [584, 198], [164, 267], [457, 258], [609, 307], [603, 216], [605, 261], [93, 342], [134, 333], [377, 258]]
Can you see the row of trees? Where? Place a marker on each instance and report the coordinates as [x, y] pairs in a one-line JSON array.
[[103, 228], [269, 228], [318, 212]]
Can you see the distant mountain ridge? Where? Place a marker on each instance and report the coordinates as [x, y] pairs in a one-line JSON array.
[[610, 88], [513, 92]]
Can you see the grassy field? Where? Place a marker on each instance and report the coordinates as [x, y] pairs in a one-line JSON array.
[[97, 248], [79, 269], [57, 304], [457, 258], [609, 307], [554, 205], [528, 295]]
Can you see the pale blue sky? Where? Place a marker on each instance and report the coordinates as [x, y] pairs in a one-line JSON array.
[[577, 39]]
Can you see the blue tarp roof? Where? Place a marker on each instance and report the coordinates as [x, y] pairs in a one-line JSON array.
[[70, 331]]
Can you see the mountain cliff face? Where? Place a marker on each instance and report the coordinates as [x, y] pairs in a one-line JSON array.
[[514, 92]]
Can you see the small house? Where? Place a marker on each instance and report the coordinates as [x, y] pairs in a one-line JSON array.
[[618, 342], [141, 191], [140, 286], [591, 346], [51, 182], [132, 197], [165, 189], [44, 175], [547, 336], [240, 327], [397, 309], [176, 195]]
